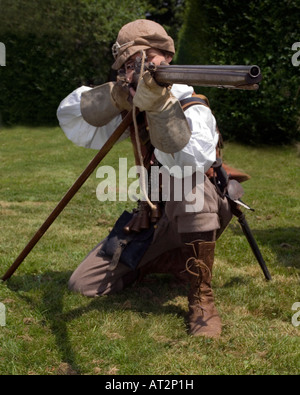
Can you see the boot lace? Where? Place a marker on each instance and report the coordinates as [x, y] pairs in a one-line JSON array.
[[198, 268], [199, 265]]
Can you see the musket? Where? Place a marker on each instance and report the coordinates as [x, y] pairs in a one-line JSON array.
[[126, 122], [229, 77]]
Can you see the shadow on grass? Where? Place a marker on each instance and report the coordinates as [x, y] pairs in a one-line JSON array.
[[285, 242], [53, 286], [144, 297]]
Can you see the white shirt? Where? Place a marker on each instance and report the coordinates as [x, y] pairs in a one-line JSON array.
[[200, 151]]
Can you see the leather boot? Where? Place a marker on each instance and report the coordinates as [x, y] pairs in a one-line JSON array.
[[204, 319]]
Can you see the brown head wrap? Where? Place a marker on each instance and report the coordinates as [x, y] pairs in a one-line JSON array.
[[140, 35]]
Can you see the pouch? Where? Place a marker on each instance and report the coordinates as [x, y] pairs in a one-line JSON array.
[[128, 248]]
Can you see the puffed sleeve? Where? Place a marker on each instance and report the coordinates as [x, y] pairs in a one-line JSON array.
[[77, 129]]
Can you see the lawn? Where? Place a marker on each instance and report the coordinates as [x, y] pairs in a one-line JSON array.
[[49, 330]]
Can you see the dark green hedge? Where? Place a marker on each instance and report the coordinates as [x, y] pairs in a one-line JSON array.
[[248, 32], [52, 47]]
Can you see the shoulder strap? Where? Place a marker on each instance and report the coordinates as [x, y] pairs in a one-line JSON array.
[[233, 173], [195, 99]]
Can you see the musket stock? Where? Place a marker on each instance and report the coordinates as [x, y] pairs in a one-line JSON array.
[[231, 77]]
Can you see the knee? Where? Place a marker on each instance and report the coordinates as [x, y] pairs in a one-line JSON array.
[[77, 285], [92, 287]]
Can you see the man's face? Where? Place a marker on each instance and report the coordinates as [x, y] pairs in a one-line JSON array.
[[153, 55]]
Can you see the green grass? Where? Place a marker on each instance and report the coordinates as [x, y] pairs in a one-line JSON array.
[[50, 330]]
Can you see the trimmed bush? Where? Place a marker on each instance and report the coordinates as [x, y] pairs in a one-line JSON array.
[[256, 32], [53, 47]]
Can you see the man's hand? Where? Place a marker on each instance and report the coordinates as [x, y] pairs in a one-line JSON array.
[[150, 96], [168, 128]]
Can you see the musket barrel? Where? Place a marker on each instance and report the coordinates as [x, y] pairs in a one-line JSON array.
[[235, 77]]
